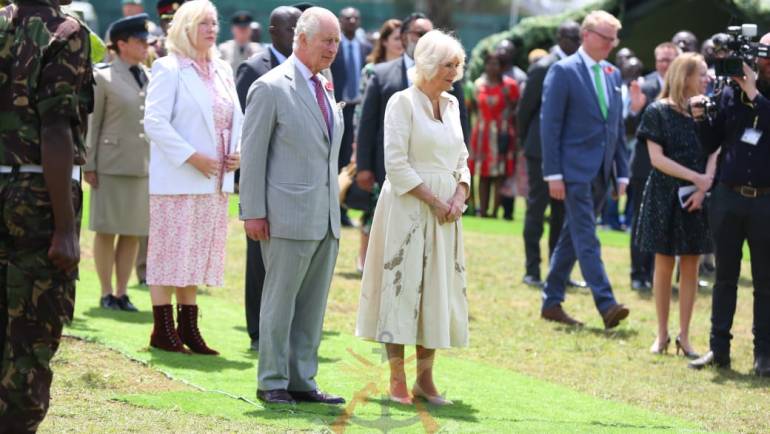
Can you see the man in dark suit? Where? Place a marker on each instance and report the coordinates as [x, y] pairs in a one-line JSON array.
[[528, 125], [642, 262], [283, 19], [583, 141], [387, 79], [346, 74]]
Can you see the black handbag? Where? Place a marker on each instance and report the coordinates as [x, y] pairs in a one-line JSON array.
[[357, 198]]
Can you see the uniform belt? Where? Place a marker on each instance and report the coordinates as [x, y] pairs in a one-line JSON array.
[[33, 168], [749, 191]]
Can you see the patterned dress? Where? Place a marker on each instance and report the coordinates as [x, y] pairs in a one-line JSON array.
[[489, 157], [664, 226], [188, 231], [413, 289]]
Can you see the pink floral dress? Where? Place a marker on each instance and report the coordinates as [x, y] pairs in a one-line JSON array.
[[188, 232]]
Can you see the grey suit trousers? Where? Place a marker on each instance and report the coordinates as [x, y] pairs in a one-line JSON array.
[[297, 280]]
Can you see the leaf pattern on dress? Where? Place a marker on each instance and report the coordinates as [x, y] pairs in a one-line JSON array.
[[397, 260]]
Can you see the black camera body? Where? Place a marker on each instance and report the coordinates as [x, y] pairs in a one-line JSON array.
[[739, 48]]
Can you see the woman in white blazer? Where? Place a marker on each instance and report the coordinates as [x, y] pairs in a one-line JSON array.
[[193, 120]]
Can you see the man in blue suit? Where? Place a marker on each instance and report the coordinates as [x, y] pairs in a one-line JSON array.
[[581, 125]]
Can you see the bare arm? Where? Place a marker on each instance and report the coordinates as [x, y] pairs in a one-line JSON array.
[[672, 168], [57, 155]]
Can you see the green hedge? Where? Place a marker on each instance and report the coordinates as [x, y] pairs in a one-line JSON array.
[[530, 33]]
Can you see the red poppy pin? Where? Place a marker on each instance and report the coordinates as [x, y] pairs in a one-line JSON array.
[[609, 69], [329, 86]]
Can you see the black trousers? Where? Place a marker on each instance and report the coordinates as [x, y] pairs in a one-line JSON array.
[[735, 218], [255, 280], [346, 147], [537, 202], [642, 263]]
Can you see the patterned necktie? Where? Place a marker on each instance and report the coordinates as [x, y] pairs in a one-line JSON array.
[[321, 99], [138, 75], [600, 89]]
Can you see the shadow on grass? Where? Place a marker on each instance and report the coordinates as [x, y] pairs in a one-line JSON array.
[[726, 376], [195, 361], [80, 324], [141, 317], [610, 334], [349, 275], [390, 416]]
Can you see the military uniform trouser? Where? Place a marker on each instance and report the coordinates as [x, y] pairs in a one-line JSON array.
[[36, 299]]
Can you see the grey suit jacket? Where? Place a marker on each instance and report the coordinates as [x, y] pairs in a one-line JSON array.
[[289, 162]]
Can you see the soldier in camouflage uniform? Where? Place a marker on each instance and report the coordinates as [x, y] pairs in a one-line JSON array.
[[45, 95]]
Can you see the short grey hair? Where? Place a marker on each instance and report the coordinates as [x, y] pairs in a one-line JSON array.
[[433, 49], [309, 23]]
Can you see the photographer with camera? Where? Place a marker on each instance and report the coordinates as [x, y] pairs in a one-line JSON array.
[[740, 205]]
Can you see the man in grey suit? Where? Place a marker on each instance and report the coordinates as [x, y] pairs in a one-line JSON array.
[[283, 20], [290, 203]]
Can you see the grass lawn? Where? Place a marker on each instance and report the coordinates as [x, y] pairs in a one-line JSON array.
[[520, 374]]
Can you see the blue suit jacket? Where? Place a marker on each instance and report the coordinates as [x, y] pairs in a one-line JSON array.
[[577, 141]]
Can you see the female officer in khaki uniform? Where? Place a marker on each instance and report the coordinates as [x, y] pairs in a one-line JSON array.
[[118, 158]]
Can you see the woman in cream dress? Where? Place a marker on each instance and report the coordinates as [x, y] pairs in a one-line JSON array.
[[413, 289]]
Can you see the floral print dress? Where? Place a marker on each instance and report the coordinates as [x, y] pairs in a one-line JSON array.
[[188, 232]]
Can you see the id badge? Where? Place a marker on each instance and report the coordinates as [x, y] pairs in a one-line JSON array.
[[751, 136]]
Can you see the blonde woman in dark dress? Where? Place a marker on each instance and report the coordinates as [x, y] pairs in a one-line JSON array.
[[670, 227]]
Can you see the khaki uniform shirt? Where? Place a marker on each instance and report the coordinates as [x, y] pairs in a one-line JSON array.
[[234, 55], [116, 141]]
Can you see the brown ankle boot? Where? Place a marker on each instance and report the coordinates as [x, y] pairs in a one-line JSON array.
[[187, 327], [164, 335]]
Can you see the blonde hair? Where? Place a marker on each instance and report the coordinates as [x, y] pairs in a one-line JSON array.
[[433, 49], [594, 18], [183, 30], [675, 85]]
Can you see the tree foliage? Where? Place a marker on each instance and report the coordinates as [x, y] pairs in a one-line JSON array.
[[531, 33]]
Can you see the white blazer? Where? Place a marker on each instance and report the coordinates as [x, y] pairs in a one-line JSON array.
[[179, 121]]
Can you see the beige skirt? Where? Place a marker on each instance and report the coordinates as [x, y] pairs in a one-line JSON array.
[[121, 205]]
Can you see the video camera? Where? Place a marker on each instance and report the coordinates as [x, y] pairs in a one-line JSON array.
[[733, 49], [738, 45]]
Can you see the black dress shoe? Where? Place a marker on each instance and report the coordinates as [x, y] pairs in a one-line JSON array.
[[124, 303], [275, 396], [639, 285], [317, 396], [710, 359], [762, 366], [109, 302], [533, 281], [254, 347], [576, 284]]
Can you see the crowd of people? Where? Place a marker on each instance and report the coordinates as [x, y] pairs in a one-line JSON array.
[[326, 119]]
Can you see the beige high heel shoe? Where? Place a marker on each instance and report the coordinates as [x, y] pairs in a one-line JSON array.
[[432, 399]]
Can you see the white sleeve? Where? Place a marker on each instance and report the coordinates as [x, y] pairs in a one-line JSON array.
[[398, 128], [158, 109]]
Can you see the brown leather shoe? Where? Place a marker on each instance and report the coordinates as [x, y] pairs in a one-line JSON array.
[[556, 313], [614, 316]]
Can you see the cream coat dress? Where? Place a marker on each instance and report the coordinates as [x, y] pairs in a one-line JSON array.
[[414, 283]]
